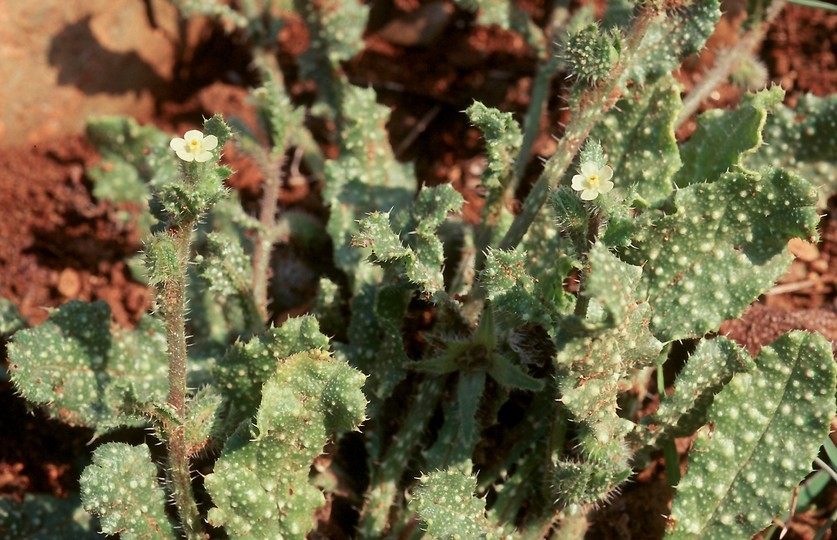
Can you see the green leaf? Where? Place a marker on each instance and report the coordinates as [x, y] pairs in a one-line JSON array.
[[638, 134], [612, 282], [260, 484], [44, 517], [708, 369], [423, 262], [10, 318], [724, 138], [502, 144], [766, 427], [447, 507], [202, 419], [511, 290], [84, 372], [225, 266], [246, 367], [723, 247], [681, 31], [121, 487], [592, 366], [375, 231], [376, 345], [365, 178], [803, 140], [135, 159], [460, 432]]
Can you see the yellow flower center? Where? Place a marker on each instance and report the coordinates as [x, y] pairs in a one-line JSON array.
[[194, 145], [593, 180]]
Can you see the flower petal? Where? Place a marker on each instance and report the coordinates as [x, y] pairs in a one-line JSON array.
[[605, 187], [211, 141], [177, 144], [201, 157], [185, 155], [589, 194], [588, 168], [605, 173], [193, 135], [579, 182]]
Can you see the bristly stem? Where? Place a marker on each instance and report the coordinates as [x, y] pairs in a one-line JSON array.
[[727, 63], [592, 104], [266, 236], [171, 296], [583, 300]]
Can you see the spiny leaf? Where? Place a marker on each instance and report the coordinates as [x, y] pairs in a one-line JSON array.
[[802, 140], [376, 345], [638, 135], [502, 143], [724, 138], [592, 367], [447, 507], [511, 289], [246, 367], [423, 261], [135, 159], [81, 370], [365, 178], [44, 517], [121, 488], [260, 484], [10, 318], [680, 32], [225, 266], [706, 372], [723, 247], [202, 419], [766, 427]]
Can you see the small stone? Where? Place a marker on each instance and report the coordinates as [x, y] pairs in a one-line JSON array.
[[820, 266], [69, 283], [804, 251]]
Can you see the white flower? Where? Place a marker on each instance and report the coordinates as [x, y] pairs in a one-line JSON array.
[[593, 180], [194, 146]]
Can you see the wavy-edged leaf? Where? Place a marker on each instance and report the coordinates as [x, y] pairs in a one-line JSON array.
[[681, 31], [724, 138], [803, 140], [365, 178], [44, 517], [766, 427], [83, 371], [448, 509], [724, 246], [135, 159], [246, 366], [260, 484], [708, 369], [638, 135], [121, 487]]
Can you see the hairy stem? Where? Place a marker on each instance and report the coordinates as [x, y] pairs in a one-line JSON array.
[[266, 236], [171, 295], [592, 104], [540, 92], [727, 63], [583, 300]]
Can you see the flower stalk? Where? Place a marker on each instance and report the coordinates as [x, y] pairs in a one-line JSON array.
[[593, 103], [171, 297]]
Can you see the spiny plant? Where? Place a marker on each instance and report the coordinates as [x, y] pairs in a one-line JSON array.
[[515, 417]]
